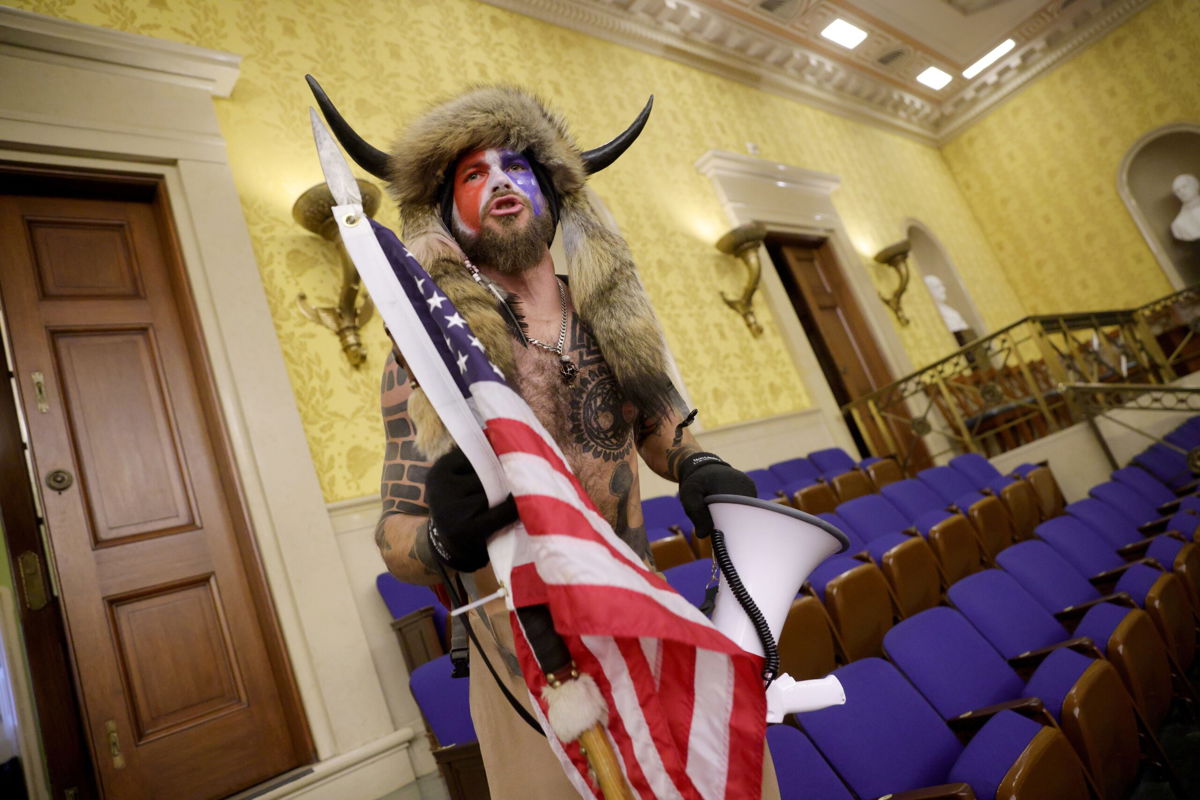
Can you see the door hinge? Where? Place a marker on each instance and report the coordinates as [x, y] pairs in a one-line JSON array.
[[114, 745]]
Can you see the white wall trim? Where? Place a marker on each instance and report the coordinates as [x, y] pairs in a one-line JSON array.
[[791, 199], [52, 119], [60, 41]]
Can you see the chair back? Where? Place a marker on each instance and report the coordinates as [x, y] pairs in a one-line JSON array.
[[690, 580], [404, 598], [443, 702], [800, 769], [872, 516], [1007, 615], [950, 662], [1144, 484], [832, 461], [976, 468], [886, 738], [949, 483], [1046, 575]]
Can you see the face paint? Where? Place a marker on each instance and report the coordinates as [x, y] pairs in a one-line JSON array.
[[482, 175]]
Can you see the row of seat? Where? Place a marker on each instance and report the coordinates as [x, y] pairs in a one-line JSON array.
[[949, 537], [1024, 621]]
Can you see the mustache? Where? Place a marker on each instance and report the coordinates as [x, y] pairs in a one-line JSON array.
[[487, 209]]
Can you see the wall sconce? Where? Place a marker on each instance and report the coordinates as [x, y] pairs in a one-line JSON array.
[[896, 257], [743, 242], [314, 211]]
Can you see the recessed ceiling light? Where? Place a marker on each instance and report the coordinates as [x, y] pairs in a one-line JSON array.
[[845, 34], [991, 58], [934, 78]]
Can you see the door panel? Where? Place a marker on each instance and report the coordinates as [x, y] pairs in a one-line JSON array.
[[118, 417], [849, 356], [172, 656]]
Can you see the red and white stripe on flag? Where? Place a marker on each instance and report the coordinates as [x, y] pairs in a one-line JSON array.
[[687, 707]]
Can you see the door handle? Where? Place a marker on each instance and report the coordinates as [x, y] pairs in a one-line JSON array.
[[59, 480]]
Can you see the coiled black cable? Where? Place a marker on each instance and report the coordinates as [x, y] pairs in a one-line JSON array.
[[770, 650]]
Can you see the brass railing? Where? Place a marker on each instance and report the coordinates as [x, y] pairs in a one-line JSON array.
[[1007, 389], [1094, 401]]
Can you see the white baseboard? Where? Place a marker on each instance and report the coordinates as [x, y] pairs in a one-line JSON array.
[[376, 769]]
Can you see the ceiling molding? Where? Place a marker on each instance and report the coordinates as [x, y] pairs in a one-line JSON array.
[[58, 41], [1011, 74], [711, 41], [705, 36]]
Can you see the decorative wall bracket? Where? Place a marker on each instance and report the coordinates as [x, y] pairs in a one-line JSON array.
[[314, 211], [744, 242], [896, 257]]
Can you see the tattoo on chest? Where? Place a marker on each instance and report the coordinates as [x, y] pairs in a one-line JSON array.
[[601, 423]]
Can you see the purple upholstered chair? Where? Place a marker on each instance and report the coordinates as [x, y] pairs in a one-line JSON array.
[[443, 702], [801, 770], [960, 673], [887, 738]]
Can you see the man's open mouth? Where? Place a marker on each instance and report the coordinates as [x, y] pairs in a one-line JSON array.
[[509, 204]]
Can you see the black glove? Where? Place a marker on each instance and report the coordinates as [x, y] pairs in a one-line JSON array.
[[704, 474], [460, 521]]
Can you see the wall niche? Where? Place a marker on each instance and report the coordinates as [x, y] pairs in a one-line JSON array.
[[1144, 182]]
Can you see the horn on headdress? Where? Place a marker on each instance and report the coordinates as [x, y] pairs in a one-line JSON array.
[[600, 157], [366, 155]]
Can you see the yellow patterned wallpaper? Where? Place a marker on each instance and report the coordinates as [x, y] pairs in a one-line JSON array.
[[1040, 170], [384, 61]]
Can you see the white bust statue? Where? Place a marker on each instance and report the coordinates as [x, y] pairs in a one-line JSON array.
[[1186, 227], [954, 320]]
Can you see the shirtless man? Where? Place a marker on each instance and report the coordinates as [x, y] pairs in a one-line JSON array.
[[482, 181]]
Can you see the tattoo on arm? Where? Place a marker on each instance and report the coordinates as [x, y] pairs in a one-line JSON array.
[[676, 455], [405, 468]]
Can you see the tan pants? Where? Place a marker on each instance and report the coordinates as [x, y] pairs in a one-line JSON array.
[[519, 763]]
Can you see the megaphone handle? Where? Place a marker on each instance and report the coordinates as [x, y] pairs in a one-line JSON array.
[[725, 564]]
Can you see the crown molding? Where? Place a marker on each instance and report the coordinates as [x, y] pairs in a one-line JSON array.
[[748, 55], [706, 38], [1007, 77], [41, 38]]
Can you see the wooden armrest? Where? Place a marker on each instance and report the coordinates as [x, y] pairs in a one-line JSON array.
[[1168, 508], [1030, 659], [969, 722], [1135, 550], [949, 791], [1076, 612], [1111, 575], [1190, 488], [1154, 526]]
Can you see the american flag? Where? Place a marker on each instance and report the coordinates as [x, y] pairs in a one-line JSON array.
[[687, 707]]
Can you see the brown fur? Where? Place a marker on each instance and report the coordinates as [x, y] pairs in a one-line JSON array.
[[604, 283]]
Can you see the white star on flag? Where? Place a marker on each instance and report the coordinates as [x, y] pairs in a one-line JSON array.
[[436, 301], [475, 343], [455, 321], [462, 362]]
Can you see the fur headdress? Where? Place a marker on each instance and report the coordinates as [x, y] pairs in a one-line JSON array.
[[604, 284]]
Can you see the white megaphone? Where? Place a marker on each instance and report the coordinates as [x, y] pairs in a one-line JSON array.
[[773, 549]]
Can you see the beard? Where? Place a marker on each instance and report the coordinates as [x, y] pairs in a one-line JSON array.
[[508, 246]]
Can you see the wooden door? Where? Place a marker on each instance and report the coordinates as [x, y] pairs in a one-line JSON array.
[[184, 688], [849, 356]]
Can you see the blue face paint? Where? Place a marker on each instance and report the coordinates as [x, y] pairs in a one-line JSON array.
[[483, 175]]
